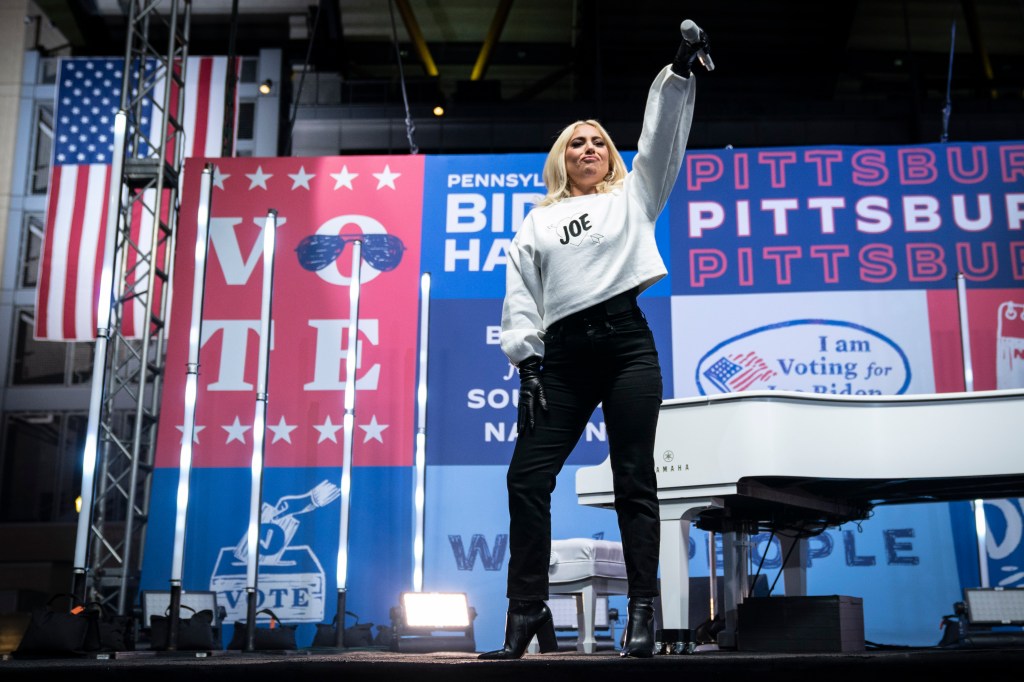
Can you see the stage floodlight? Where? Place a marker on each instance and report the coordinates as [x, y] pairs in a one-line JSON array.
[[995, 606], [435, 609], [433, 621]]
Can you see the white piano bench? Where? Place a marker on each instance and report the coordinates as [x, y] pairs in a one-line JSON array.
[[585, 569]]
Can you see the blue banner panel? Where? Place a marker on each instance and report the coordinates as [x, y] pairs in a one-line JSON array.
[[467, 536], [472, 207], [809, 219], [901, 562], [473, 391], [298, 540], [1002, 546]]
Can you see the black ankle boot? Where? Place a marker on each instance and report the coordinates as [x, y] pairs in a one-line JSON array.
[[639, 638], [524, 620]]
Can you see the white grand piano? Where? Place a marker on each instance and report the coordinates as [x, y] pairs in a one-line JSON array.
[[801, 462]]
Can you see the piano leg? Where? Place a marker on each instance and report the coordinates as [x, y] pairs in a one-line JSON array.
[[794, 571], [735, 562], [675, 638]]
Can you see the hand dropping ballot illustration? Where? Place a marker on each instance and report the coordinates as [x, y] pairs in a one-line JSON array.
[[291, 576]]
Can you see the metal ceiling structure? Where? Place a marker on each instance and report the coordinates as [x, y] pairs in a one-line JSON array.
[[849, 71]]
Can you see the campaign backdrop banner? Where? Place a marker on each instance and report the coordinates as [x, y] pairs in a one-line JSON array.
[[828, 270]]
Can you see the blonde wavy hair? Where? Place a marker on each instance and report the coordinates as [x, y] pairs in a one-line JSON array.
[[556, 178]]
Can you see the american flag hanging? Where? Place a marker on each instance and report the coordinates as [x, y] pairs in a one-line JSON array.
[[87, 99]]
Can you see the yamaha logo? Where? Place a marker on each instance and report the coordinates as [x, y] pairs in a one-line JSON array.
[[668, 456]]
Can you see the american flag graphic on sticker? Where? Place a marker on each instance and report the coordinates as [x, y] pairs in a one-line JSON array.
[[737, 372]]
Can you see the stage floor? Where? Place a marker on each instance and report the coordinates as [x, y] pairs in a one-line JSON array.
[[378, 665]]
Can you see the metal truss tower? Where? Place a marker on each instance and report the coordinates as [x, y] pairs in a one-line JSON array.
[[128, 369]]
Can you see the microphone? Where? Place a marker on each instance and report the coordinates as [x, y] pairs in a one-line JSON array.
[[691, 34]]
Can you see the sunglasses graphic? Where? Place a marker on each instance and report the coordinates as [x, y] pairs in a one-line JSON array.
[[382, 252]]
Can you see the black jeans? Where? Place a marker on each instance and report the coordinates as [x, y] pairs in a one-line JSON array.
[[590, 358]]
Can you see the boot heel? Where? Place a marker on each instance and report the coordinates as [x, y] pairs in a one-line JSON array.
[[546, 637]]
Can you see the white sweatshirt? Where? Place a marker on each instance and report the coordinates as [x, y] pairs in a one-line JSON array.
[[575, 253]]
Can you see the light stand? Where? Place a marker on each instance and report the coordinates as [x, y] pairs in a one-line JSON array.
[[428, 621], [988, 617], [980, 526], [259, 434], [351, 362], [191, 389], [99, 364], [419, 497]]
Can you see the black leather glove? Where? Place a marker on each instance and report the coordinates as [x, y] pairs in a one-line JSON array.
[[531, 392], [687, 54]]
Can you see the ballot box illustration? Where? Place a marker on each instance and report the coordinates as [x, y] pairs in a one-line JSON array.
[[291, 581], [293, 587]]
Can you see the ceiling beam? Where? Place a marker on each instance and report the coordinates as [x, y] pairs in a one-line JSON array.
[[493, 35], [416, 35]]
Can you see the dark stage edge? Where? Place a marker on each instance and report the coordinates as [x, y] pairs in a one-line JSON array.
[[384, 666]]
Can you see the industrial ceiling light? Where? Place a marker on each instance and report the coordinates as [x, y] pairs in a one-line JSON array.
[[266, 86], [433, 621]]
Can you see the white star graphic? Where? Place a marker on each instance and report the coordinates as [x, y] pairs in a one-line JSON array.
[[282, 431], [327, 430], [259, 178], [386, 178], [219, 178], [301, 179], [196, 428], [344, 178], [236, 431], [373, 430]]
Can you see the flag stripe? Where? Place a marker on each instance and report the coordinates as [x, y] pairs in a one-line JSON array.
[[216, 109], [199, 106], [81, 254], [70, 250], [50, 293], [88, 231]]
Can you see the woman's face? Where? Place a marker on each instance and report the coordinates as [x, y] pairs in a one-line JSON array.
[[586, 160]]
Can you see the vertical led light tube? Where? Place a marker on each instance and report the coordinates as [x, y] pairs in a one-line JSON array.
[[259, 422], [965, 332], [99, 366], [192, 372], [419, 495], [980, 527], [351, 363]]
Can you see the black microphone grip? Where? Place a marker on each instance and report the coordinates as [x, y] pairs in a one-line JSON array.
[[691, 34]]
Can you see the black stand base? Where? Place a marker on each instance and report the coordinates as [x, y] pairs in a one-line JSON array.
[[674, 642]]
